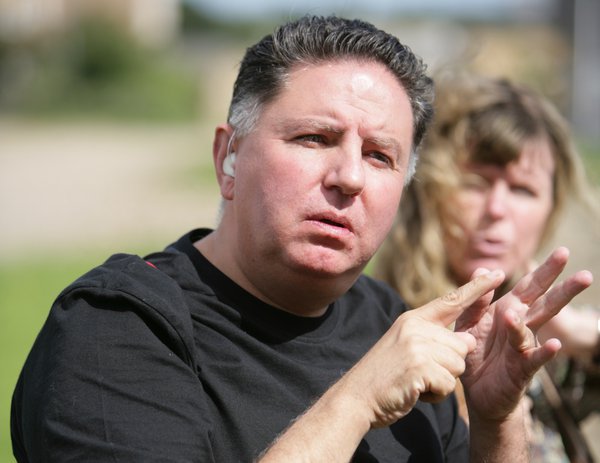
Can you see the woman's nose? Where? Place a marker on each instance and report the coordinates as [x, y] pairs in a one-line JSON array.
[[496, 201]]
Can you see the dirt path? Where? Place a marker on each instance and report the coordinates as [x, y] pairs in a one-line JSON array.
[[80, 186]]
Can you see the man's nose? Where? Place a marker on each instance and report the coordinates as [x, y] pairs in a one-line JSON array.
[[346, 170]]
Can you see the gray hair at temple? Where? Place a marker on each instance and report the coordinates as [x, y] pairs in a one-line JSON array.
[[312, 40]]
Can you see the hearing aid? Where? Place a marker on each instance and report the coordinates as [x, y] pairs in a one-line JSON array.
[[229, 161], [228, 164]]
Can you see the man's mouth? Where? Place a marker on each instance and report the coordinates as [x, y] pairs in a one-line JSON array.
[[332, 222]]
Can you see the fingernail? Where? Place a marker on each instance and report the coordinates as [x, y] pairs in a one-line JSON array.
[[495, 274]]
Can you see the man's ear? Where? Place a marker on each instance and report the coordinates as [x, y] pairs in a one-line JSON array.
[[222, 145]]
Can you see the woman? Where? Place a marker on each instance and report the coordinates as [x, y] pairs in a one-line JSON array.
[[495, 172]]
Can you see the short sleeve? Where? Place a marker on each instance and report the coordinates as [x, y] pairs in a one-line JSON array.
[[106, 380]]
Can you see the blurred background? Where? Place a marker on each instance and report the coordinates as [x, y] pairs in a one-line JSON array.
[[107, 110]]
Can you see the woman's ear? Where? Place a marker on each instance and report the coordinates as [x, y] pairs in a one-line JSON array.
[[223, 162]]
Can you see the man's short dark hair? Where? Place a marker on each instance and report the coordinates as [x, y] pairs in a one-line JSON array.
[[316, 39]]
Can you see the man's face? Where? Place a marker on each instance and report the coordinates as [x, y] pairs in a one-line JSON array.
[[319, 179], [503, 211]]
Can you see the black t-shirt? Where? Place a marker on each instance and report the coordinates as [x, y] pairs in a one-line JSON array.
[[167, 359]]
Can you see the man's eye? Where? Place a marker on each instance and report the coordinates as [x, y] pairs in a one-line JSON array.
[[311, 138], [380, 157]]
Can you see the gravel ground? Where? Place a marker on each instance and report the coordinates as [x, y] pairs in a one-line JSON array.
[[81, 186]]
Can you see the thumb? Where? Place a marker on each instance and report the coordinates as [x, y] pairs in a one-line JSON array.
[[446, 309]]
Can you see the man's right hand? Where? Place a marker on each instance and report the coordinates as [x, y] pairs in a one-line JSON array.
[[419, 357]]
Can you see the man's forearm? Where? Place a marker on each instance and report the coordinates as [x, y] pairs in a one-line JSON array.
[[329, 431]]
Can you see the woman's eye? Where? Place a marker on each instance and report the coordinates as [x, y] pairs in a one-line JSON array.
[[473, 182], [523, 191]]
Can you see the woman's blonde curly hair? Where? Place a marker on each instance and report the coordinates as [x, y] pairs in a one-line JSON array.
[[476, 119]]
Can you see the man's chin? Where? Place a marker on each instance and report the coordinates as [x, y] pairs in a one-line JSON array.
[[328, 268], [325, 261]]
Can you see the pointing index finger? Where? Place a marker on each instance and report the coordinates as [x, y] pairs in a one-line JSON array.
[[446, 309]]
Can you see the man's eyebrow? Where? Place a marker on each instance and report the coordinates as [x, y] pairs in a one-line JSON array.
[[307, 124], [389, 143]]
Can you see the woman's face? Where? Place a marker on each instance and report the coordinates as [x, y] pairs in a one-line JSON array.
[[501, 213]]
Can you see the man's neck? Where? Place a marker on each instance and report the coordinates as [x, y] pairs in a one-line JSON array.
[[302, 295]]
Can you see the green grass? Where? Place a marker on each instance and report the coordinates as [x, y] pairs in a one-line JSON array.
[[96, 71], [148, 92], [27, 290]]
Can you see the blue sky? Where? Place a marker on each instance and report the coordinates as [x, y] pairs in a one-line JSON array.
[[252, 9]]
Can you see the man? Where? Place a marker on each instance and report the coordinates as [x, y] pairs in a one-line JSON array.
[[262, 334]]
